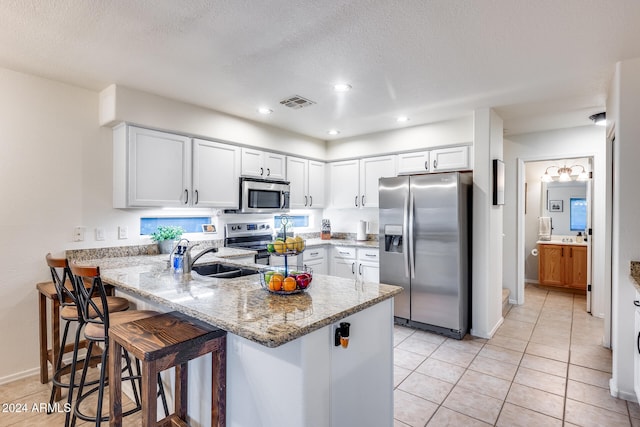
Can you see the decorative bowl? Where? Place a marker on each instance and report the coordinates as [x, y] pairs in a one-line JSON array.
[[278, 280]]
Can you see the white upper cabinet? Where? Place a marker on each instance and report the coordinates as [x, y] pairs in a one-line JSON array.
[[371, 170], [343, 188], [354, 183], [306, 180], [417, 162], [317, 180], [263, 164], [452, 158], [216, 173], [151, 168]]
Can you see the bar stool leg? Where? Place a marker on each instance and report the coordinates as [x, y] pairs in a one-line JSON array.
[[115, 384], [55, 389], [181, 398], [218, 385], [149, 393], [44, 360]]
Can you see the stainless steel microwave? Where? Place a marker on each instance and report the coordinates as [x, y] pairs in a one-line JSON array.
[[261, 196]]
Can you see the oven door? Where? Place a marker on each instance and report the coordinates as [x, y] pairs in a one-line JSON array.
[[259, 196]]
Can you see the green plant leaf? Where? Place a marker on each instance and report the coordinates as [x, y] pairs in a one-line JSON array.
[[167, 232]]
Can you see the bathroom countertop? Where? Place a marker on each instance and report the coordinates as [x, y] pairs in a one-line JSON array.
[[560, 242]]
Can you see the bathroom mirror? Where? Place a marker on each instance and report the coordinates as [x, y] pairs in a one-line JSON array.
[[566, 204]]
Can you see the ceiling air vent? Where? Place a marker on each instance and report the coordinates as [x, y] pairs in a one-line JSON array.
[[296, 101]]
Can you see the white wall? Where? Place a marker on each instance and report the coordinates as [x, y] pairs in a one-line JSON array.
[[623, 105], [451, 132], [585, 141], [487, 259]]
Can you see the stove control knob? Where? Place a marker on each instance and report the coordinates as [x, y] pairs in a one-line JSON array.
[[267, 226], [233, 227]]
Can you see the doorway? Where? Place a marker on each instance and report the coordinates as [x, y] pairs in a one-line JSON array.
[[564, 205]]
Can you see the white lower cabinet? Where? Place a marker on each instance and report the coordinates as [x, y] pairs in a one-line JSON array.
[[360, 263], [315, 259]]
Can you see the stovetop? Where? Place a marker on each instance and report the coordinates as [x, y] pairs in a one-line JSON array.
[[248, 235]]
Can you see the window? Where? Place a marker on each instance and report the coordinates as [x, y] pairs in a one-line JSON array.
[[578, 208], [189, 224], [294, 221]]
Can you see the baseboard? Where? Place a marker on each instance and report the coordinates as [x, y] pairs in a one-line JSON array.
[[615, 392], [490, 334], [20, 375], [513, 301]]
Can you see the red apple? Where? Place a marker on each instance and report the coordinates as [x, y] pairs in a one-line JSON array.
[[303, 280]]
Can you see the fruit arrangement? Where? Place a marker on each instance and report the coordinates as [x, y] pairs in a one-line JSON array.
[[288, 246], [281, 282]]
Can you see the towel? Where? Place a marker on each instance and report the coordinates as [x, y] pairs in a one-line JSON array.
[[544, 228]]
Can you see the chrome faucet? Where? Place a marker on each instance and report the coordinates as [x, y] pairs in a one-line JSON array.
[[197, 257]]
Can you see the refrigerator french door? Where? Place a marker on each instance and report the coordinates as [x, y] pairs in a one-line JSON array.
[[424, 221]]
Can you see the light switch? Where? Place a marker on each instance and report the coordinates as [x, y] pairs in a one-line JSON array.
[[99, 233]]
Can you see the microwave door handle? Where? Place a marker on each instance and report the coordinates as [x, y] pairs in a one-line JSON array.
[[282, 199]]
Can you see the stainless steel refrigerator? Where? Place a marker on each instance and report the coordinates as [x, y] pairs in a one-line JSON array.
[[425, 248]]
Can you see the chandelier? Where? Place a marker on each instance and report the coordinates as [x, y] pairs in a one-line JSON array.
[[565, 174]]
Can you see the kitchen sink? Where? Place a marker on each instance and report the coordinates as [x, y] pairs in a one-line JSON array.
[[223, 271]]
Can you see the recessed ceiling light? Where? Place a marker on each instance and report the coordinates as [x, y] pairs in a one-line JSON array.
[[342, 87], [265, 110], [333, 132], [402, 119]]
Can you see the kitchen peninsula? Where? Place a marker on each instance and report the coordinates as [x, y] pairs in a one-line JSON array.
[[282, 366]]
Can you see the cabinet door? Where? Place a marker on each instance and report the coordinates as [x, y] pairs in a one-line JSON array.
[[371, 170], [275, 166], [252, 164], [343, 268], [413, 163], [576, 266], [318, 266], [297, 175], [551, 265], [216, 172], [316, 182], [159, 168], [343, 184], [453, 158], [369, 272]]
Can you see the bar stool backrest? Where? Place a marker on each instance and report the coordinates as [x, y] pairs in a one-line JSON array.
[[60, 273], [87, 283]]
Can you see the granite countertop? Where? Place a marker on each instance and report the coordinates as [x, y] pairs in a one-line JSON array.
[[241, 306], [560, 242]]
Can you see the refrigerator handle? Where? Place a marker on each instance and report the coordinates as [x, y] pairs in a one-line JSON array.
[[405, 230], [411, 225]]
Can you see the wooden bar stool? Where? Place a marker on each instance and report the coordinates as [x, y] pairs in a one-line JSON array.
[[98, 320], [51, 325], [162, 342]]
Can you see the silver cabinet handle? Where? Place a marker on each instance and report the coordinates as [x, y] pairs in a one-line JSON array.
[[310, 201], [268, 172], [636, 303], [353, 268], [426, 165], [356, 202], [313, 253], [435, 163], [362, 204], [197, 197], [372, 255], [261, 171], [360, 269], [186, 196], [305, 201]]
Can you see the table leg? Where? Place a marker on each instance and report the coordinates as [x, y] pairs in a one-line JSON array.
[[115, 384], [42, 314]]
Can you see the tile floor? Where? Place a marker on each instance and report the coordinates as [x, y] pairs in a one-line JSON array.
[[544, 367]]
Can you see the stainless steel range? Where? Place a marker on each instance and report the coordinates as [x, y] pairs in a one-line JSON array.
[[253, 236]]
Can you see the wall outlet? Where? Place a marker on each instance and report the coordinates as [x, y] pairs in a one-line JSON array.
[[78, 234], [123, 232], [99, 233]]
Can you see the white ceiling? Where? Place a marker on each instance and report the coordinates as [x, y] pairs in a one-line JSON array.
[[541, 64]]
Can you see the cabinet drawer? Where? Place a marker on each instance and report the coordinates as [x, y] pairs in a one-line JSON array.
[[313, 253], [368, 255], [343, 252]]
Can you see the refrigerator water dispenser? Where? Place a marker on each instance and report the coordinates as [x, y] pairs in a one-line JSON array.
[[393, 238]]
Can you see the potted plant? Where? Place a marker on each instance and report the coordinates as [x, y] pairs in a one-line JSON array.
[[166, 235]]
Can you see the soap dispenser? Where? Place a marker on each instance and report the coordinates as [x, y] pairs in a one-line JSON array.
[[579, 238]]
